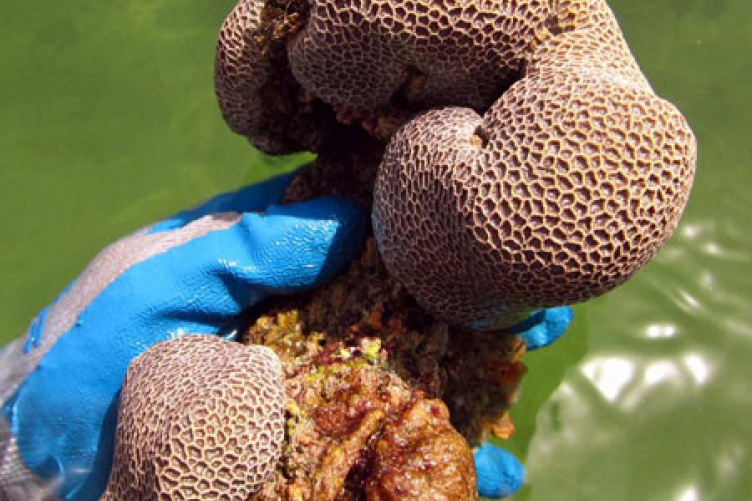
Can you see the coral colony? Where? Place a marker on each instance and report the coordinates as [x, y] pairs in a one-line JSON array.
[[514, 157]]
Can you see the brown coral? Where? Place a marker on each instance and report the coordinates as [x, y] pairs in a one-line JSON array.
[[546, 170], [365, 366], [409, 455], [200, 418]]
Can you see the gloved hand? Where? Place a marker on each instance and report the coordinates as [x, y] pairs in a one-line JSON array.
[[500, 474], [193, 273]]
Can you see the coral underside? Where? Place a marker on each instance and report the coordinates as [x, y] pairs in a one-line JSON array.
[[372, 381]]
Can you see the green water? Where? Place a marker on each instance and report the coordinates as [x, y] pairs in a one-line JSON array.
[[108, 122]]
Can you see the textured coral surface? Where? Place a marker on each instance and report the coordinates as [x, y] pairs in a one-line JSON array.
[[199, 418], [528, 162], [560, 191]]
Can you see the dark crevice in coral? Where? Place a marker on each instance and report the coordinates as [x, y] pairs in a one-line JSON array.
[[403, 96], [480, 137], [346, 166], [513, 77], [302, 121]]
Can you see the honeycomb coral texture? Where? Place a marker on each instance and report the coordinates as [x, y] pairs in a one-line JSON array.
[[538, 167], [358, 53], [200, 418], [244, 67]]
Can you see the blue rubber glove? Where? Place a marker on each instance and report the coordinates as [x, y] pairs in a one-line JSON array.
[[544, 326], [194, 273], [500, 474]]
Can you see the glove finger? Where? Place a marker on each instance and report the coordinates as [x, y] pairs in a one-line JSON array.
[[253, 198], [500, 474], [302, 245], [201, 277], [544, 327], [287, 250]]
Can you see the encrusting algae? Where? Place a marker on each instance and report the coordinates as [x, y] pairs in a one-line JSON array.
[[384, 401]]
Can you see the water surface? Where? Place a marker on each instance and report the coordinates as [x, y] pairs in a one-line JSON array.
[[108, 122]]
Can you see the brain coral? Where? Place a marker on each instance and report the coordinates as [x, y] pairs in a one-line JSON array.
[[200, 418], [535, 165]]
